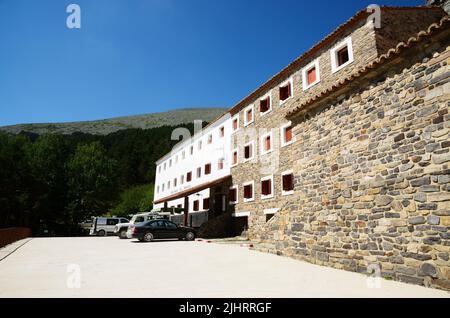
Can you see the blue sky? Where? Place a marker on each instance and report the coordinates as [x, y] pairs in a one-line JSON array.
[[142, 56]]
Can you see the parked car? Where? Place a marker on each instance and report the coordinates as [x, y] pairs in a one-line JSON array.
[[161, 229], [103, 226], [121, 229]]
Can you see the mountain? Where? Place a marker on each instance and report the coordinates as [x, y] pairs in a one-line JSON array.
[[107, 126]]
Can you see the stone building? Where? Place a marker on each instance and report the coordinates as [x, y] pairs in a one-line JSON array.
[[342, 158]]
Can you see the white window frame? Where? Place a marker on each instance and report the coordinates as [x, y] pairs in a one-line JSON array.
[[285, 173], [282, 130], [236, 117], [291, 81], [237, 195], [269, 94], [305, 70], [262, 143], [271, 195], [237, 156], [347, 42], [252, 143], [252, 183], [252, 107]]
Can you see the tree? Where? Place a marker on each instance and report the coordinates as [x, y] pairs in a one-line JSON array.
[[92, 181], [134, 200], [46, 158]]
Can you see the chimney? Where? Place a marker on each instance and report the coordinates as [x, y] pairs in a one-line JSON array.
[[445, 4]]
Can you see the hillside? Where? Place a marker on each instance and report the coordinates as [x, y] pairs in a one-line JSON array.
[[107, 126]]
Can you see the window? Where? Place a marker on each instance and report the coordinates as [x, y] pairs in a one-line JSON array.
[[267, 187], [208, 168], [199, 145], [199, 172], [175, 182], [248, 191], [206, 204], [311, 75], [196, 206], [210, 139], [159, 169], [168, 185], [170, 225], [341, 55], [233, 195], [221, 131], [234, 157], [182, 179], [287, 182], [192, 150], [220, 164], [248, 116], [285, 90], [265, 105], [266, 143], [157, 189], [235, 123], [183, 155], [248, 151], [286, 135], [176, 159], [189, 176], [170, 163], [163, 185], [164, 166]]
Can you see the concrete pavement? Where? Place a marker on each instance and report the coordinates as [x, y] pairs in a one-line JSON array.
[[109, 267]]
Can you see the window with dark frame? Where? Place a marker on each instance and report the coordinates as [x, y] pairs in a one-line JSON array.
[[342, 56], [264, 104], [248, 191], [206, 204], [266, 187], [208, 168], [288, 182], [189, 177], [199, 172], [196, 205], [232, 195], [285, 91], [248, 151]]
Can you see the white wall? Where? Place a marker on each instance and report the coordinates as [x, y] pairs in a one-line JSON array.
[[209, 153]]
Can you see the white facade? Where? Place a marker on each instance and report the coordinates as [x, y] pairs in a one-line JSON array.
[[210, 146]]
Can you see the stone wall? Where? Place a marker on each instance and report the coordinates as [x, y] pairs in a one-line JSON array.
[[372, 175]]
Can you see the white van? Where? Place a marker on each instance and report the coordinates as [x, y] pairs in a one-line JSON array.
[[103, 226]]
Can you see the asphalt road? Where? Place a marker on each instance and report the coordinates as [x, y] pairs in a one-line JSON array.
[[109, 267]]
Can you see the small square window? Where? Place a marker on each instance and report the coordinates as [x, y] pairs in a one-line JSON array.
[[196, 206], [234, 158], [248, 151], [220, 164], [248, 192], [341, 54], [311, 75], [287, 183], [233, 195], [265, 105], [206, 204], [285, 91], [248, 116], [208, 169], [235, 123], [286, 135]]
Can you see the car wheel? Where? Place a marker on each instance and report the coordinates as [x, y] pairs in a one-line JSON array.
[[190, 236], [148, 237], [123, 234], [101, 233]]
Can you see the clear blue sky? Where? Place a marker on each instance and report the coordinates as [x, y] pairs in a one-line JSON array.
[[143, 56]]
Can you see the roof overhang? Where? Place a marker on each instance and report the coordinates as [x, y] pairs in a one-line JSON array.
[[193, 190]]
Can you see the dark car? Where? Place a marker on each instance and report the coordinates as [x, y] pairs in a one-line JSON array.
[[161, 229]]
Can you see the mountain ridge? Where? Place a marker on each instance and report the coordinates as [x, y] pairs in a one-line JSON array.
[[110, 125]]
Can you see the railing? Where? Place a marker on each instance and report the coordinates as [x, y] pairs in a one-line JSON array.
[[13, 234]]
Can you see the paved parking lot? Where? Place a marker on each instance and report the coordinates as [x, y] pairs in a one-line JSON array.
[[109, 267]]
